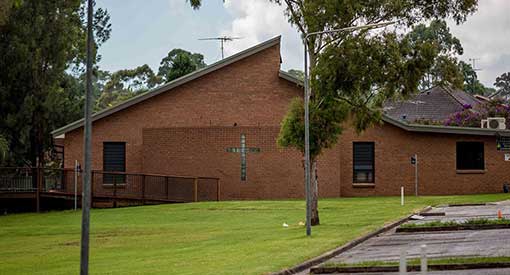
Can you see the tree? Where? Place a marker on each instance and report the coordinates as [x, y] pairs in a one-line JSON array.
[[179, 62], [40, 43], [357, 100], [4, 148], [444, 70], [471, 83], [125, 84], [196, 4], [503, 85]]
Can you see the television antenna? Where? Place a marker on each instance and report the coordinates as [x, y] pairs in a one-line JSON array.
[[222, 40], [473, 60]]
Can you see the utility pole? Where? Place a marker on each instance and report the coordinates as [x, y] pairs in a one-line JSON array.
[[85, 205], [307, 113]]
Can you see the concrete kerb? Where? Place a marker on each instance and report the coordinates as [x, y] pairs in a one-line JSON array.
[[332, 253], [411, 268]]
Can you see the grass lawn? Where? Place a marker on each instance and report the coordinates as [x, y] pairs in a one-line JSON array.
[[201, 238]]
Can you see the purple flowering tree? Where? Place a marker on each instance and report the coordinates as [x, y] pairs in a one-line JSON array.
[[470, 117]]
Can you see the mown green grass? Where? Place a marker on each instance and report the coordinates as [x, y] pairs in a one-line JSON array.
[[244, 237]]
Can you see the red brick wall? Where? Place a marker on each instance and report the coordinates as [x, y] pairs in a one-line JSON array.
[[437, 174], [186, 131], [271, 173]]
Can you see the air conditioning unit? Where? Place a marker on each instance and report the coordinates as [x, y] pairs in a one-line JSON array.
[[484, 123], [496, 123]]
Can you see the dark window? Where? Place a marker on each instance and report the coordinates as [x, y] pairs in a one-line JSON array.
[[363, 162], [114, 160], [470, 156]]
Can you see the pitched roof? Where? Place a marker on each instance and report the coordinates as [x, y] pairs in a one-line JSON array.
[[436, 103], [175, 83], [457, 96]]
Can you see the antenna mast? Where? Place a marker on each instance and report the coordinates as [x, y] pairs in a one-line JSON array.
[[222, 40], [473, 60]]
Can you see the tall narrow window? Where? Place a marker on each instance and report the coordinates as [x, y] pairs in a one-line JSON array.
[[470, 156], [363, 162], [114, 160]]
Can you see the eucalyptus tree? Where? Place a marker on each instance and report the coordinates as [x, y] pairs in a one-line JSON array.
[[502, 85], [339, 92], [353, 73], [40, 43]]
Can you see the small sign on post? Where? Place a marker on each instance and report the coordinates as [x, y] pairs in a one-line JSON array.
[[507, 157], [414, 161]]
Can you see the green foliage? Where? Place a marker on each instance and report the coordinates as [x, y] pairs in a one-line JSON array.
[[341, 62], [178, 63], [503, 85], [471, 83], [196, 4], [122, 85], [40, 43], [359, 71], [4, 148], [125, 84], [326, 126], [444, 70], [365, 71]]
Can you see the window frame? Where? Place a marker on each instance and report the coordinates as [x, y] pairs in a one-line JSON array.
[[354, 179], [457, 162], [110, 179]]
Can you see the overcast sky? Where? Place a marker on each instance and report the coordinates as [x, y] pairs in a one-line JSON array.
[[145, 31]]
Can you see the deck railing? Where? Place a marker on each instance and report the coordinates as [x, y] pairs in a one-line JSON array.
[[111, 186]]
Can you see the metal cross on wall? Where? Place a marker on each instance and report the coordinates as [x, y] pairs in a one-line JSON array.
[[243, 150]]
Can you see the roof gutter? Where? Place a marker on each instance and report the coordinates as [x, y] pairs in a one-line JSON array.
[[444, 129]]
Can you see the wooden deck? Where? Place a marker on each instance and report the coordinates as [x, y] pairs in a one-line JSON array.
[[109, 189]]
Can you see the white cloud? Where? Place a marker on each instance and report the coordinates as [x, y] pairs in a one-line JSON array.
[[259, 20], [486, 35]]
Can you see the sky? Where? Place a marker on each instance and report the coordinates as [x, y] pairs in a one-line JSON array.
[[143, 32]]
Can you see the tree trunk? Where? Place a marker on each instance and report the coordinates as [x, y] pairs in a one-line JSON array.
[[314, 189]]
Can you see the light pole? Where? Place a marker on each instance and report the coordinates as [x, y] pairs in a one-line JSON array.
[[307, 112], [85, 204]]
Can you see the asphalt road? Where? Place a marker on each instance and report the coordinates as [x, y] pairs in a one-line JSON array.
[[446, 244]]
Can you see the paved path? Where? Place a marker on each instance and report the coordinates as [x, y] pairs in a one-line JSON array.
[[466, 243]]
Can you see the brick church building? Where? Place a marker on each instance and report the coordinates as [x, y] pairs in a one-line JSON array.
[[223, 121]]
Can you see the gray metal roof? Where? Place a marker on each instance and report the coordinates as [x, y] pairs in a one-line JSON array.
[[170, 85]]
